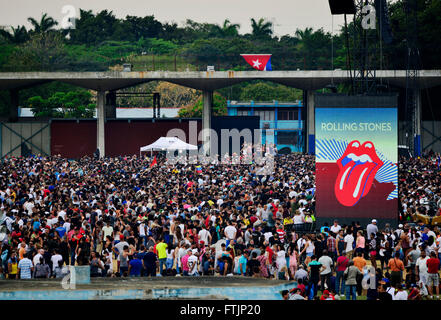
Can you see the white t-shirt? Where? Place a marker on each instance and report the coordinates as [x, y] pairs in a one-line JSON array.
[[230, 231], [108, 230], [349, 239], [400, 295], [421, 264], [55, 258], [310, 248], [37, 258], [298, 219], [280, 260], [62, 214], [142, 229], [267, 235], [120, 246], [326, 261], [192, 265], [204, 235], [66, 226], [335, 228]]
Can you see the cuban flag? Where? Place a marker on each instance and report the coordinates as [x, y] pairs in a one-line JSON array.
[[261, 62]]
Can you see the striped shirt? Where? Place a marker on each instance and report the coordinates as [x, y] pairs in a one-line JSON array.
[[331, 244], [281, 234], [25, 266]]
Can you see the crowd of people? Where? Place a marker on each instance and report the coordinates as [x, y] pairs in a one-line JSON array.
[[124, 217]]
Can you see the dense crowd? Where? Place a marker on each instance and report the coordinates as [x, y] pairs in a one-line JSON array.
[[125, 217]]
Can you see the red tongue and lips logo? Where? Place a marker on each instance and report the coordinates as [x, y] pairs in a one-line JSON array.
[[358, 167]]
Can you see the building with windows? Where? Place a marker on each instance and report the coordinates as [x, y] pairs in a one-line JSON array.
[[282, 123]]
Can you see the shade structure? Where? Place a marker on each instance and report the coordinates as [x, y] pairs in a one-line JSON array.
[[168, 143]]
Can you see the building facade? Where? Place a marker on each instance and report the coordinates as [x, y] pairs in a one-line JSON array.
[[281, 123]]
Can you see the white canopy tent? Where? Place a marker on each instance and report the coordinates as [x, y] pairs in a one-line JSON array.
[[168, 143]]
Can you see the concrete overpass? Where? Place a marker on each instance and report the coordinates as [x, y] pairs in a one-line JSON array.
[[105, 83]]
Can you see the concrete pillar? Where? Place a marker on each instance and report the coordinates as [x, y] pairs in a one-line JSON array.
[[101, 119], [418, 123], [111, 105], [207, 111], [310, 122], [13, 107]]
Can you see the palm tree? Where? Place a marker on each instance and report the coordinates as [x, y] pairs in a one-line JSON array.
[[46, 23], [261, 29], [304, 34], [17, 36], [228, 29]]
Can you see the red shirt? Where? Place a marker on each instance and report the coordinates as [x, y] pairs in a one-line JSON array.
[[302, 288], [432, 265], [342, 263], [270, 254]]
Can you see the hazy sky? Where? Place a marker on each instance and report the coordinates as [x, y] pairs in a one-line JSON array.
[[286, 14]]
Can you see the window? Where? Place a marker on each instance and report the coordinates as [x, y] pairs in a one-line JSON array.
[[288, 115], [242, 112], [268, 115]]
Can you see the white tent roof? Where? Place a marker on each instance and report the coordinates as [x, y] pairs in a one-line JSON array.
[[169, 143]]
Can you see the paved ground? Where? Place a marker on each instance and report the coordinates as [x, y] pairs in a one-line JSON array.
[[141, 283]]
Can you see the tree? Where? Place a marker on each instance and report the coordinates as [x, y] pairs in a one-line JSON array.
[[265, 92], [73, 104], [228, 30], [175, 96], [195, 110], [17, 35], [261, 29], [45, 24], [43, 52], [93, 29]]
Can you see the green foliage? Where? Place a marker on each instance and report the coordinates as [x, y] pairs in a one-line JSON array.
[[16, 35], [45, 24], [261, 28], [43, 52], [72, 104], [264, 91], [158, 46], [195, 111], [103, 42]]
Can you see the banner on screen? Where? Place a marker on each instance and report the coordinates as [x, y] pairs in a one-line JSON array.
[[356, 162]]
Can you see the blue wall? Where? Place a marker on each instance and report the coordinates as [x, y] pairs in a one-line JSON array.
[[233, 293]]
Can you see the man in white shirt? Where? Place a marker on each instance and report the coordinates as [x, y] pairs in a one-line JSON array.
[[421, 267], [349, 240], [55, 258], [230, 232], [37, 257], [371, 229], [192, 263], [108, 231], [204, 235], [325, 274], [335, 227]]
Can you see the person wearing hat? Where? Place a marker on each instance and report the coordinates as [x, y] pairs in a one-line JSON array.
[[371, 229], [327, 295], [135, 266], [192, 263]]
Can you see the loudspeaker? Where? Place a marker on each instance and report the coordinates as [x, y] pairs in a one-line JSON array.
[[342, 6]]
